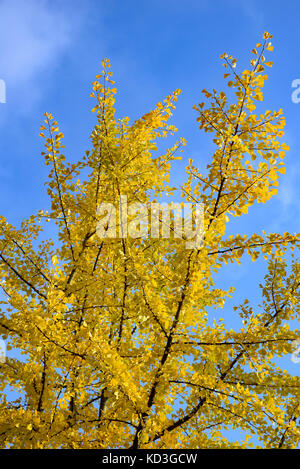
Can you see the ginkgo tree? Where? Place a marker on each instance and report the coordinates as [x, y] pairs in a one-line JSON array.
[[114, 344]]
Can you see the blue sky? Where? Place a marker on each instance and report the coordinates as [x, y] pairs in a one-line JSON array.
[[50, 52]]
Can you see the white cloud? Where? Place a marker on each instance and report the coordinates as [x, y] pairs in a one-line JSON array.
[[286, 200], [34, 34], [251, 9], [286, 191]]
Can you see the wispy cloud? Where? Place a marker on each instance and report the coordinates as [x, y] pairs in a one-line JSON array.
[[252, 10], [34, 35]]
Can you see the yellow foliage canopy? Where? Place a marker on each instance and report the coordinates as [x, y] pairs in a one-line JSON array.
[[117, 347]]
